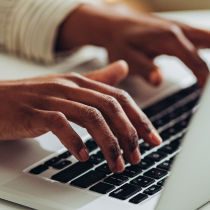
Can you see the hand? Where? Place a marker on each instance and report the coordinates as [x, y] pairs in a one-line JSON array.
[[32, 107], [136, 38]]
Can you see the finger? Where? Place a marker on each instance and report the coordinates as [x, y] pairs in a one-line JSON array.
[[92, 120], [139, 120], [115, 118], [57, 123], [144, 66], [199, 37], [186, 52], [111, 75]]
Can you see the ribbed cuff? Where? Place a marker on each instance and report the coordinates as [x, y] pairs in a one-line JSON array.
[[29, 27]]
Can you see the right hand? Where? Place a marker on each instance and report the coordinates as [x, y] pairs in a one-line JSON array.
[[32, 107], [138, 38]]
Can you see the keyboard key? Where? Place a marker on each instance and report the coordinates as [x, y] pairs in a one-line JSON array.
[[138, 198], [165, 165], [62, 164], [159, 106], [167, 102], [169, 148], [96, 159], [104, 168], [125, 191], [52, 161], [99, 153], [124, 159], [91, 145], [142, 181], [116, 179], [155, 173], [72, 172], [161, 182], [181, 125], [145, 164], [176, 142], [159, 123], [191, 104], [174, 98], [152, 190], [181, 110], [165, 135], [39, 169], [131, 171], [142, 151], [145, 146], [167, 118], [173, 115], [172, 131], [187, 91], [88, 179], [156, 156], [91, 140], [102, 188], [65, 155]]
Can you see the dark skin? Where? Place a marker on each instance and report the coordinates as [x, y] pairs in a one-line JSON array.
[[33, 107], [136, 38]]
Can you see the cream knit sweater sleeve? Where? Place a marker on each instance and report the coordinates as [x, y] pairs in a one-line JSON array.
[[28, 28]]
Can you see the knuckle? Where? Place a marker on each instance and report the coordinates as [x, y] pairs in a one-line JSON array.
[[173, 31], [122, 96], [133, 139], [57, 120], [130, 141], [74, 76], [111, 104], [113, 149], [91, 115], [27, 113], [55, 84], [41, 101]]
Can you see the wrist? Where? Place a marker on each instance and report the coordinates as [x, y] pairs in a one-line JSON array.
[[87, 25]]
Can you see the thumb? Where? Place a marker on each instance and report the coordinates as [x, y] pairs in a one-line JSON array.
[[110, 75]]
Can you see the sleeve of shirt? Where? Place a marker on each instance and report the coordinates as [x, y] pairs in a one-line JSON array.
[[28, 28]]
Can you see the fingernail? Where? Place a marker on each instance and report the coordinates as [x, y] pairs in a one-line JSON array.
[[124, 63], [156, 137], [136, 157], [125, 67], [155, 77], [83, 154], [119, 164]]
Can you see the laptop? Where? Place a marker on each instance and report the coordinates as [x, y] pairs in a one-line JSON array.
[[174, 175]]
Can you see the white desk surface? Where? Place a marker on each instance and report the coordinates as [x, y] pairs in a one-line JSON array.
[[174, 71]]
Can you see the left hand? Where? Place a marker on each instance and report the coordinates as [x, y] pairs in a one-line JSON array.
[[32, 107], [136, 38]]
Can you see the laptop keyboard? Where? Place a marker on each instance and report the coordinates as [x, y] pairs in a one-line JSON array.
[[137, 183]]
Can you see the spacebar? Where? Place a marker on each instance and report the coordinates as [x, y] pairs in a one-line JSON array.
[[72, 171]]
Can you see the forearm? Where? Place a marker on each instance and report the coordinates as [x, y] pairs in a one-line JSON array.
[[87, 25]]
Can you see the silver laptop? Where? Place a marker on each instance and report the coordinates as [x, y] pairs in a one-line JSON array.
[[174, 175]]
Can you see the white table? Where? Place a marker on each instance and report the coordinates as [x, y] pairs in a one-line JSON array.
[[14, 68]]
